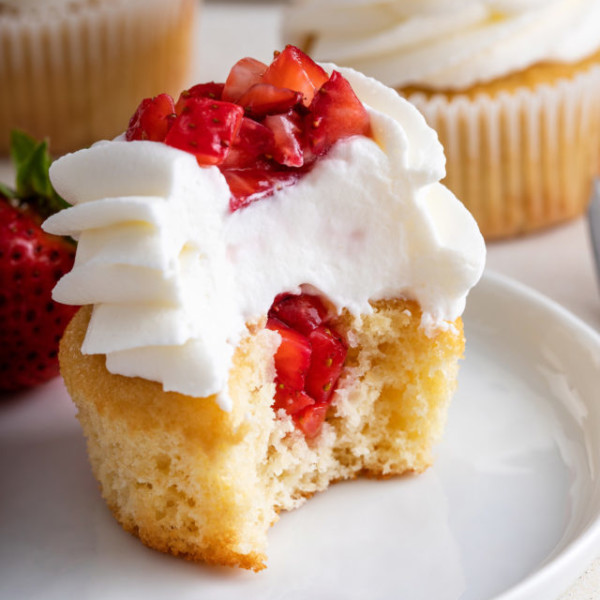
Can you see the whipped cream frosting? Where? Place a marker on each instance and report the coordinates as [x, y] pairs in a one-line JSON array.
[[174, 276], [444, 44]]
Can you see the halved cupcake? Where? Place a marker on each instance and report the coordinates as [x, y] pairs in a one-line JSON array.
[[275, 278]]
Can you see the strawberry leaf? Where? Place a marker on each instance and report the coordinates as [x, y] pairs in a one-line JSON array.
[[31, 160], [6, 192]]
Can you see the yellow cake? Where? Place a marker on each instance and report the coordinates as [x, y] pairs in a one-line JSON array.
[[513, 92], [191, 479], [244, 345]]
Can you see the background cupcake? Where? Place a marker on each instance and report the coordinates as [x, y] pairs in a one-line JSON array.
[[74, 70], [511, 86]]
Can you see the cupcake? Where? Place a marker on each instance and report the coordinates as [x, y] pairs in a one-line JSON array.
[[273, 280], [74, 70], [512, 89]]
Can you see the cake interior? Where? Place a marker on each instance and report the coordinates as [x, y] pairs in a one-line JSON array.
[[191, 479]]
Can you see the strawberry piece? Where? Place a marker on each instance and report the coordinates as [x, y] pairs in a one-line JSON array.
[[335, 113], [243, 75], [266, 99], [264, 127], [328, 356], [287, 133], [210, 90], [152, 119], [206, 129], [250, 184], [253, 141], [292, 401], [31, 323], [292, 357], [295, 70], [303, 312], [310, 419]]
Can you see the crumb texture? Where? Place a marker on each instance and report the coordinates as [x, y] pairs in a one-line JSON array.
[[190, 479]]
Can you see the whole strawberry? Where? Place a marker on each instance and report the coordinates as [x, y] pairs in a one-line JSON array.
[[31, 262]]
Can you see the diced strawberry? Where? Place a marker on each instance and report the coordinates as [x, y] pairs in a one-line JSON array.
[[328, 356], [292, 401], [266, 99], [253, 141], [303, 312], [211, 90], [265, 127], [335, 113], [295, 70], [152, 119], [206, 129], [243, 75], [292, 357], [253, 183], [310, 419], [287, 133]]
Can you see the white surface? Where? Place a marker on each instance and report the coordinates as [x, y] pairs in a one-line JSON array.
[[509, 511], [51, 456]]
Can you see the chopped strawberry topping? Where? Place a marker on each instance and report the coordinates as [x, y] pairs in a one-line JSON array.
[[266, 99], [287, 133], [251, 184], [308, 361], [264, 127], [211, 90], [335, 113], [243, 75], [152, 119], [252, 142], [295, 70], [206, 128]]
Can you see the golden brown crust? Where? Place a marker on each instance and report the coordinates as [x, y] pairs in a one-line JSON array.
[[192, 480]]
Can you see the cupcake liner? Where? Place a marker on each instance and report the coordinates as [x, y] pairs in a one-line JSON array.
[[75, 74], [523, 160]]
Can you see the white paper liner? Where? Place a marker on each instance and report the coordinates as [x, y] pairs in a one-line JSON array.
[[76, 74], [524, 160]]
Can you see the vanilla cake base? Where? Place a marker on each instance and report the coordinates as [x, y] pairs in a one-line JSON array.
[[193, 480]]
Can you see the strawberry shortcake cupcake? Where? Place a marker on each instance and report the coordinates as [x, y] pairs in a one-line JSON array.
[[512, 88], [273, 280]]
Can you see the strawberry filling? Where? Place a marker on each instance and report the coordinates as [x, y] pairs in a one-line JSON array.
[[308, 361], [264, 128]]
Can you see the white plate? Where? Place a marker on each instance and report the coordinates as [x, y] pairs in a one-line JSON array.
[[509, 511]]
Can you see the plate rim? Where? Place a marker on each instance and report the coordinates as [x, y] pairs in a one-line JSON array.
[[553, 577]]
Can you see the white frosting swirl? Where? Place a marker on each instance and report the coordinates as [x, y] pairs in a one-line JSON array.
[[444, 44], [174, 276]]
